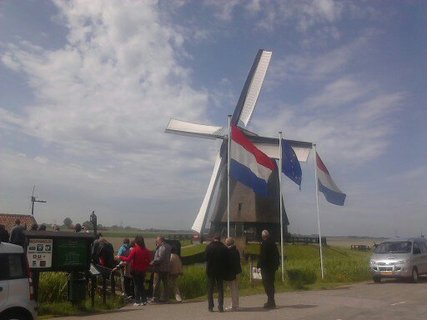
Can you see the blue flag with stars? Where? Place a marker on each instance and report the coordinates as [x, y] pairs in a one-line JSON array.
[[290, 164]]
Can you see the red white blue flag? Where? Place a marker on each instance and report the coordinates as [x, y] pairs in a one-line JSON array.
[[327, 186], [248, 164]]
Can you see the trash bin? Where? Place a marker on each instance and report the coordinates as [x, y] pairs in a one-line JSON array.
[[76, 287]]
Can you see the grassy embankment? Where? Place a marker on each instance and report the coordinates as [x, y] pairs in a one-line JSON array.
[[302, 271]]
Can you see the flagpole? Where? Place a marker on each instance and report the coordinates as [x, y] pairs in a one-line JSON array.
[[318, 211], [228, 175], [279, 172]]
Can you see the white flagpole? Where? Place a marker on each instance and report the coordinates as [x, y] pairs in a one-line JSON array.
[[318, 211], [281, 205], [228, 175]]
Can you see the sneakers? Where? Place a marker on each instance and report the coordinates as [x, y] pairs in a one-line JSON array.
[[232, 309], [153, 301]]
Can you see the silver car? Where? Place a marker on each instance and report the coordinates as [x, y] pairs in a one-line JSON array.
[[399, 258]]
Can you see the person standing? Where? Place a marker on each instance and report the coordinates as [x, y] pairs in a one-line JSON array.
[[269, 261], [232, 273], [17, 235], [125, 268], [4, 235], [175, 271], [78, 228], [161, 270], [106, 254], [140, 258], [216, 255]]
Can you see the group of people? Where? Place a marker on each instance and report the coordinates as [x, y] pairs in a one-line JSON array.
[[16, 236], [134, 261], [223, 264], [17, 233]]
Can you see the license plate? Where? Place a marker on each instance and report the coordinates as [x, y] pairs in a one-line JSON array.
[[386, 272]]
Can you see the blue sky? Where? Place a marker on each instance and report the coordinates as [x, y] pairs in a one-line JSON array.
[[87, 88]]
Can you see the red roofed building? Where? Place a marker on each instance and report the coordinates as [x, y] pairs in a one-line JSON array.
[[8, 220]]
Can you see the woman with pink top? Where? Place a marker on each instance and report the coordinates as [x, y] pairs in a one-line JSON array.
[[140, 258]]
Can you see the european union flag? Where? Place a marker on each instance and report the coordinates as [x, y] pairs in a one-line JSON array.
[[290, 164]]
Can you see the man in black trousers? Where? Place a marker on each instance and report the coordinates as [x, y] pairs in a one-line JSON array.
[[216, 254], [269, 261]]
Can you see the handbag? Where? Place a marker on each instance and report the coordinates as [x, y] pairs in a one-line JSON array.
[[256, 273]]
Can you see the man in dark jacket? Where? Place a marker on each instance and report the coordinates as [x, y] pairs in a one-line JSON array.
[[4, 235], [217, 262], [17, 235], [269, 261]]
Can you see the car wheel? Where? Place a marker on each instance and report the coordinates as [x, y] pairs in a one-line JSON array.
[[377, 279], [414, 277], [15, 316]]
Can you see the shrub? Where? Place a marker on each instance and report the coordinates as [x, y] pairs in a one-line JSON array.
[[193, 283], [52, 287]]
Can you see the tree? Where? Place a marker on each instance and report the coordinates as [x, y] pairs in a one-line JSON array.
[[68, 222]]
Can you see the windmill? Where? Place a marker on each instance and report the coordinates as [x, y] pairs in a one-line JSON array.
[[248, 212], [33, 200]]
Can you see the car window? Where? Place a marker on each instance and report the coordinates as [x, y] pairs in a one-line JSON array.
[[417, 248], [394, 247], [12, 266], [423, 247]]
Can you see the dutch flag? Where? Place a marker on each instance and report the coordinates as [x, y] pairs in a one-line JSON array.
[[327, 186], [248, 164]]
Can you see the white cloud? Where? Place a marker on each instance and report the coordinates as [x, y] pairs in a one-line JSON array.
[[116, 81], [103, 101], [338, 93], [320, 65]]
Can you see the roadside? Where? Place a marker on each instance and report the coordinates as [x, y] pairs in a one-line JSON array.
[[389, 300]]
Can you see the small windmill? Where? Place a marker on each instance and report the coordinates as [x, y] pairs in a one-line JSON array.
[[34, 200]]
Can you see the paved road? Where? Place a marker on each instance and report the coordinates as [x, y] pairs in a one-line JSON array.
[[366, 301]]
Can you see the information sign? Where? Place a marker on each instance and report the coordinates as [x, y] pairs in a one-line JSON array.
[[71, 253], [39, 253]]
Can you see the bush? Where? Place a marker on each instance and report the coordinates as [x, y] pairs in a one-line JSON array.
[[52, 287], [193, 283], [298, 278]]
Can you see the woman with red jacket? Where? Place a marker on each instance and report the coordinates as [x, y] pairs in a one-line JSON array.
[[140, 258]]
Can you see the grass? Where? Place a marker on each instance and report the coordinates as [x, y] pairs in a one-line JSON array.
[[48, 309], [190, 250], [52, 298], [302, 272]]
